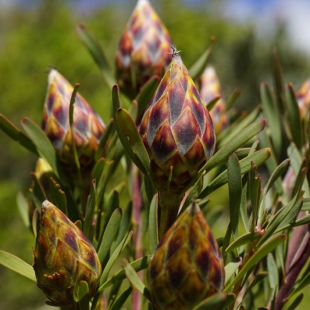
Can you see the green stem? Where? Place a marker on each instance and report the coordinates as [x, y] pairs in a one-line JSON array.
[[169, 207]]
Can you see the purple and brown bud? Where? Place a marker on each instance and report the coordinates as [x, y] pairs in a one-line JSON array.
[[303, 98], [87, 124], [209, 90], [63, 258], [187, 266], [143, 50], [177, 130]]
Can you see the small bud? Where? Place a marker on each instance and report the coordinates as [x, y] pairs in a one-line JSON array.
[[143, 50], [63, 258], [187, 266], [87, 124], [209, 90], [303, 98]]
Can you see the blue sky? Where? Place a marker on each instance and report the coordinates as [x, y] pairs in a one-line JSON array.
[[264, 14]]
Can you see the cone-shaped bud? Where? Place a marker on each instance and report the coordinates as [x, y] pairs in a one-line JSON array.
[[210, 89], [303, 98], [187, 266], [177, 129], [87, 124], [63, 258], [143, 50]]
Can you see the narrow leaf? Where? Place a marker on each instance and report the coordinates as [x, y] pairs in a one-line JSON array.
[[137, 265], [268, 247], [22, 204], [114, 257], [237, 141], [231, 268], [214, 302], [271, 113], [97, 53], [134, 279], [243, 240], [14, 263], [235, 191], [43, 145], [127, 128], [294, 116], [109, 234], [120, 300], [153, 224], [13, 132]]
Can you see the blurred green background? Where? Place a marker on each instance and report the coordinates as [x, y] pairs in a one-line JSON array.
[[42, 35]]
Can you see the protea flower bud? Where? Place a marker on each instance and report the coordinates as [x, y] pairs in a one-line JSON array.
[[87, 124], [63, 258], [143, 50], [303, 98], [209, 90], [187, 266], [177, 129]]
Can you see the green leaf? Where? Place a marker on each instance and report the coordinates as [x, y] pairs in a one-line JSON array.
[[217, 301], [22, 204], [134, 279], [137, 265], [153, 224], [37, 193], [91, 206], [283, 217], [243, 240], [266, 248], [111, 205], [124, 226], [235, 191], [81, 289], [109, 234], [131, 140], [114, 257], [145, 95], [257, 158], [231, 268], [278, 172], [104, 139], [14, 263], [258, 278], [294, 116], [237, 141], [97, 53], [59, 196], [232, 99], [294, 304], [273, 121], [237, 126], [13, 132], [254, 191], [120, 300], [272, 272], [43, 145], [198, 67], [73, 147]]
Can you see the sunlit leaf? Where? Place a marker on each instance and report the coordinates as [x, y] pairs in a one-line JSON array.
[[14, 263]]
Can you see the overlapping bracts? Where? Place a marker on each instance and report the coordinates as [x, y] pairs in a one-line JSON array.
[[177, 129], [143, 50]]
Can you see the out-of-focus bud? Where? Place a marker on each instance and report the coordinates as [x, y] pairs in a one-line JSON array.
[[303, 98], [209, 90], [177, 130], [187, 266], [63, 258], [143, 50], [87, 124]]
